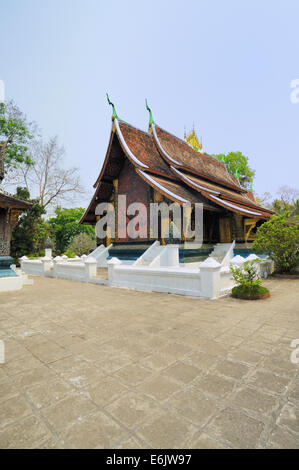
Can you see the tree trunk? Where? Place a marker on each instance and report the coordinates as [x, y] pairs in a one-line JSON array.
[[2, 151]]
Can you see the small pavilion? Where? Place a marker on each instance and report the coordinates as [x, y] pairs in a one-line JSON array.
[[11, 208]]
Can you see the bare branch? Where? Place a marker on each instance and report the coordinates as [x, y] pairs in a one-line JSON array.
[[48, 178]]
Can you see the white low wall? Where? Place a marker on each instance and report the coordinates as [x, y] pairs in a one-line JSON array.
[[62, 267], [77, 271], [159, 271], [36, 267], [211, 280], [10, 283], [186, 282]]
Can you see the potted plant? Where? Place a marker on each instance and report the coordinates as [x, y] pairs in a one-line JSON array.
[[249, 285]]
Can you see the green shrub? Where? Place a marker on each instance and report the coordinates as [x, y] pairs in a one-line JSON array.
[[280, 240], [36, 255], [70, 254], [65, 226], [247, 279], [242, 291], [82, 244]]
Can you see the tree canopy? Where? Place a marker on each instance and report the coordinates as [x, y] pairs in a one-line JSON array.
[[16, 133], [64, 227], [31, 231], [237, 162], [286, 201]]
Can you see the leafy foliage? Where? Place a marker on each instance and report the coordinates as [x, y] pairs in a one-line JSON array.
[[69, 253], [65, 226], [82, 244], [287, 199], [255, 291], [15, 135], [247, 279], [237, 161], [247, 275], [30, 233], [23, 193], [280, 240]]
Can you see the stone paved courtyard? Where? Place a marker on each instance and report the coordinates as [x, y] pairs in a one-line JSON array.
[[89, 366]]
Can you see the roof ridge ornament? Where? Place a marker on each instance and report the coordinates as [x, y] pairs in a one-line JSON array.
[[151, 120], [237, 174], [192, 139], [114, 115]]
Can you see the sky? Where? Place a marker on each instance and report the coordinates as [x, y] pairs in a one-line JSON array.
[[226, 66]]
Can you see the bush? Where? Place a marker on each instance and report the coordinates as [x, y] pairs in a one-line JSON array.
[[256, 291], [70, 254], [82, 244], [280, 240], [38, 254], [247, 278], [30, 233]]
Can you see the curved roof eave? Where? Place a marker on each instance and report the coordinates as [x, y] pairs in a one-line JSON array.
[[136, 162], [233, 207], [155, 185], [250, 205], [112, 132]]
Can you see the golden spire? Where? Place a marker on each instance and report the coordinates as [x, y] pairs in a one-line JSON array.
[[192, 139]]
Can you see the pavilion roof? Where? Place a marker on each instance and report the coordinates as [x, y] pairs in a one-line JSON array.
[[7, 200]]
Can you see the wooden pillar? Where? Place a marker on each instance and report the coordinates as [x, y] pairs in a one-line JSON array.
[[225, 231]]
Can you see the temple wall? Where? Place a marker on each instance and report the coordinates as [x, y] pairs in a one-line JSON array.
[[135, 189], [5, 232]]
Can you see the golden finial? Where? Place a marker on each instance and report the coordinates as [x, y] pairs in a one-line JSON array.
[[192, 139]]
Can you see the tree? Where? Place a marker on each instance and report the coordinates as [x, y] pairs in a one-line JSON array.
[[16, 133], [286, 200], [23, 193], [280, 207], [64, 227], [264, 200], [236, 161], [295, 209], [280, 240], [31, 231], [288, 195], [82, 244], [46, 177]]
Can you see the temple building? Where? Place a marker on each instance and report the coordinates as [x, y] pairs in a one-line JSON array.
[[10, 209], [157, 166]]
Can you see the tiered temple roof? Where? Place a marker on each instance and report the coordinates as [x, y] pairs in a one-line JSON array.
[[174, 168]]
